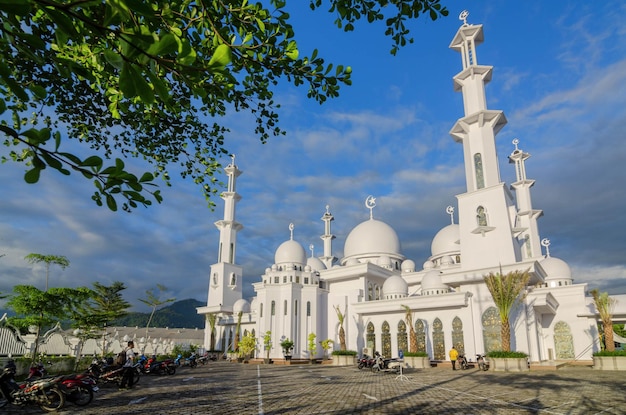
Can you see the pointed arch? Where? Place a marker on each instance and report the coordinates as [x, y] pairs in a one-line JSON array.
[[402, 337], [491, 329], [457, 335], [563, 341], [439, 343], [370, 338], [386, 340]]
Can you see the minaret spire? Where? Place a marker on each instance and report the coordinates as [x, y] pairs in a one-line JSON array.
[[486, 209], [228, 226], [527, 217], [328, 237]]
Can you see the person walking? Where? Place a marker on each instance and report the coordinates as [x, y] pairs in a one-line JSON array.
[[128, 375], [454, 355]]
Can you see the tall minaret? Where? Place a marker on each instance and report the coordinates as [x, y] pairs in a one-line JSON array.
[[486, 211], [225, 285], [527, 217], [328, 257]]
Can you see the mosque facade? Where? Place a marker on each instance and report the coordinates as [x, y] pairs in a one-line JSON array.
[[373, 285]]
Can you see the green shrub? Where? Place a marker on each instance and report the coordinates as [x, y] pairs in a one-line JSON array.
[[613, 353], [344, 353], [415, 354], [503, 354]]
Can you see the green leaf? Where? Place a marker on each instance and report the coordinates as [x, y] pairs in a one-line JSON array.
[[92, 161], [32, 176], [221, 57], [166, 45], [17, 7], [111, 203], [292, 50], [114, 58]]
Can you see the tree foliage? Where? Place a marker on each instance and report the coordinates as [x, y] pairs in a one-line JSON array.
[[506, 290], [154, 301], [44, 309], [59, 260], [85, 85], [605, 305]]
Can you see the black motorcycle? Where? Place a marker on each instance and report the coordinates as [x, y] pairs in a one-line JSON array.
[[105, 372], [42, 392]]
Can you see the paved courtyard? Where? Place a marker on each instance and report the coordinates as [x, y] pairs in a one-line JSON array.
[[231, 388]]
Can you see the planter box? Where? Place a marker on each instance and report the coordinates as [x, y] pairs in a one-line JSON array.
[[508, 364], [417, 362], [343, 360], [609, 362]]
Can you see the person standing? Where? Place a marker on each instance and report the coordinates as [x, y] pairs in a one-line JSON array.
[[128, 375], [454, 355]]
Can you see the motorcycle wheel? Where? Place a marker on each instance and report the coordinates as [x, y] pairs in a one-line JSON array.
[[170, 370], [481, 366], [54, 400], [361, 365], [81, 396], [3, 400], [375, 368], [136, 377]]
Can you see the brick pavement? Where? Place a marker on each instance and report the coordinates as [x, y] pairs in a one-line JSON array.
[[231, 388]]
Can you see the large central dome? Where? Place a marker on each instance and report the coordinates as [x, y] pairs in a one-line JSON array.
[[372, 239]]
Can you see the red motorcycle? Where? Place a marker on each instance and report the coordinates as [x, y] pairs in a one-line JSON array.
[[78, 388], [366, 362], [42, 392]]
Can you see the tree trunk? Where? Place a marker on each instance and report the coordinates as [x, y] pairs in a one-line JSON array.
[[506, 335], [609, 344], [342, 338], [412, 340]]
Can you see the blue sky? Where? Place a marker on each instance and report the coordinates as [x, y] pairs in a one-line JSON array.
[[559, 76]]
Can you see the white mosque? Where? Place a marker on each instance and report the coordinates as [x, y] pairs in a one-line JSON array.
[[497, 231]]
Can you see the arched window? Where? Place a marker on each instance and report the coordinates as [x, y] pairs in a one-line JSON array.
[[386, 339], [457, 335], [233, 279], [370, 291], [478, 167], [491, 329], [370, 339], [439, 344], [402, 339], [481, 216]]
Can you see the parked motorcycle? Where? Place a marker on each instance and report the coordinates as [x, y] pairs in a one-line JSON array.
[[204, 359], [104, 372], [365, 362], [382, 364], [42, 392], [482, 362], [153, 367], [462, 361], [78, 388], [187, 361]]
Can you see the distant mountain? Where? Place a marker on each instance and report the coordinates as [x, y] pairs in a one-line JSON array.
[[181, 314]]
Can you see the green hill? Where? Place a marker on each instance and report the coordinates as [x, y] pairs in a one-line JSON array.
[[181, 314]]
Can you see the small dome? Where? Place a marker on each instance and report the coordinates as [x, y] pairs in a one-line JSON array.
[[372, 238], [428, 265], [267, 270], [446, 241], [384, 261], [556, 269], [447, 260], [432, 281], [241, 305], [408, 265], [395, 287], [351, 261], [316, 264], [290, 252], [254, 305]]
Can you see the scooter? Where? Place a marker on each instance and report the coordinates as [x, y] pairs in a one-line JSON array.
[[482, 362], [462, 361]]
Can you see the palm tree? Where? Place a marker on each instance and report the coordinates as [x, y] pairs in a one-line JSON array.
[[505, 290], [408, 318], [342, 333], [604, 305]]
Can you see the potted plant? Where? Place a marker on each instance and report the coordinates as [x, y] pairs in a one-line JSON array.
[[326, 346], [247, 346], [267, 345], [417, 360], [287, 346], [507, 361], [312, 347], [609, 360], [343, 357]]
